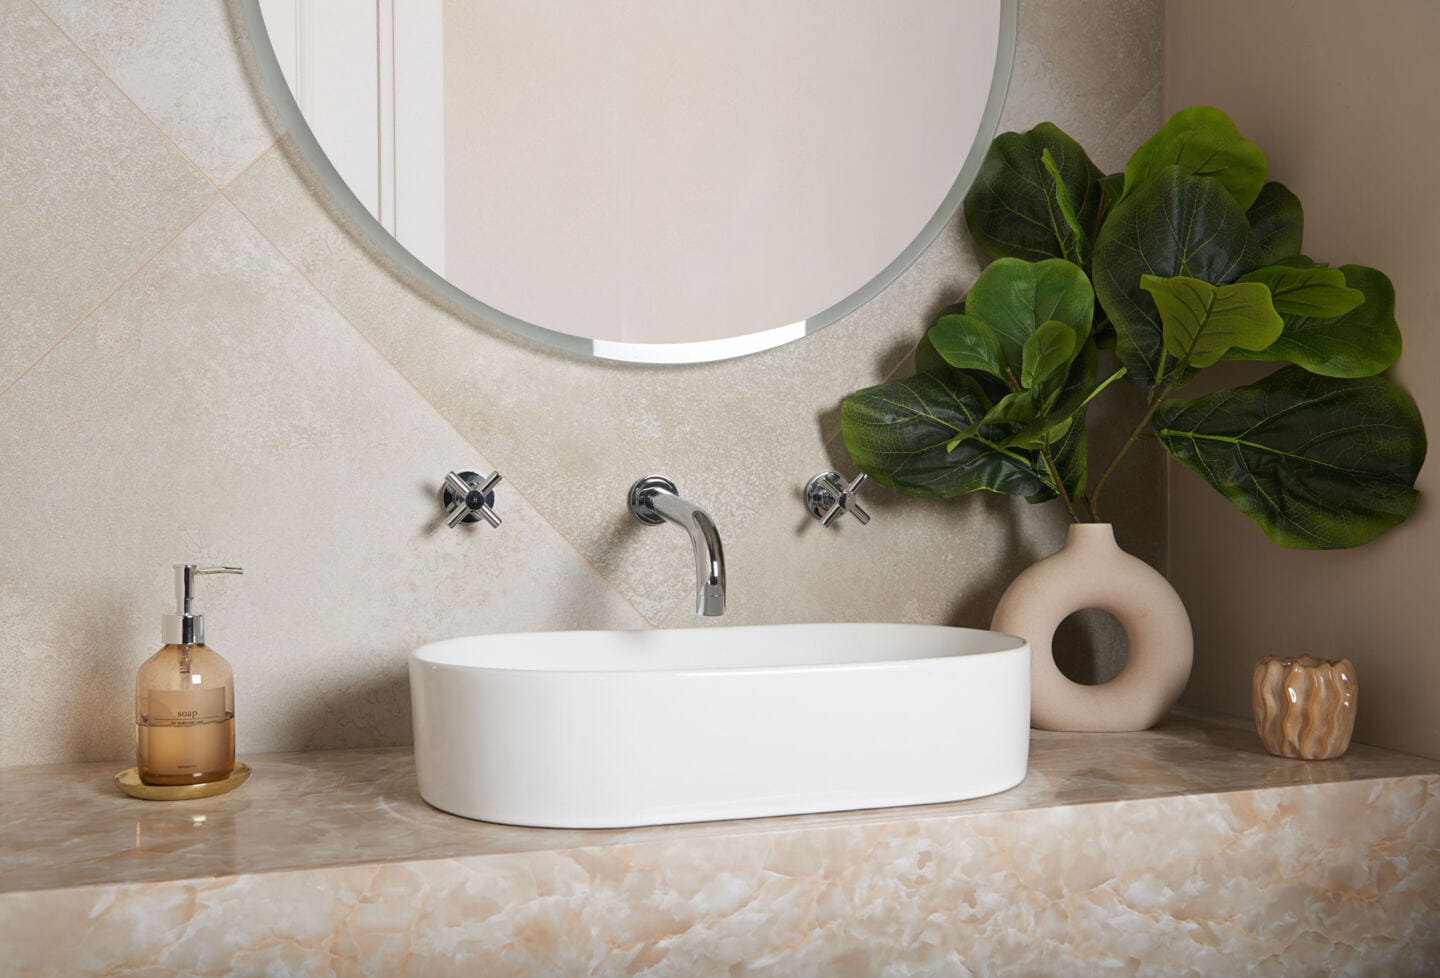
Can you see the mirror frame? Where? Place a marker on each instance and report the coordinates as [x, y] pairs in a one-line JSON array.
[[277, 90]]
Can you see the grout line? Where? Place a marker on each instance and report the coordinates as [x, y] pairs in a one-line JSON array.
[[163, 245], [108, 295], [325, 297], [249, 166], [126, 96], [1130, 114]]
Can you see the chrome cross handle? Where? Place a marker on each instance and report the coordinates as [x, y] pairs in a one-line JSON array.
[[828, 496], [468, 499]]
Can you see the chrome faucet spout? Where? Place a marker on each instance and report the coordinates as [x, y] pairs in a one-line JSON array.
[[709, 557], [654, 500]]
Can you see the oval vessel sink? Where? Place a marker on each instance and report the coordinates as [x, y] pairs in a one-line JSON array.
[[610, 729]]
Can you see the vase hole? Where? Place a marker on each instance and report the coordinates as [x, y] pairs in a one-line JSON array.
[[1090, 647]]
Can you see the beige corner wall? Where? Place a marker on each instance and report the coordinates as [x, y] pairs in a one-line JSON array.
[[199, 361], [1341, 95]]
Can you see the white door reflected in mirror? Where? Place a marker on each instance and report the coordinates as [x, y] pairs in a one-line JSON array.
[[649, 179]]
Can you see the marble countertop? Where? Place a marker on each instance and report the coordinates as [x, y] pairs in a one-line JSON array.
[[67, 825]]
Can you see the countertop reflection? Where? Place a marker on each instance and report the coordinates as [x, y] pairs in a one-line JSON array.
[[67, 825]]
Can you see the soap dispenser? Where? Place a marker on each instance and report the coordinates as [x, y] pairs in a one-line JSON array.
[[185, 698]]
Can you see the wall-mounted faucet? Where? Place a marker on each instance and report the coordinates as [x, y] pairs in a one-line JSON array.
[[655, 500]]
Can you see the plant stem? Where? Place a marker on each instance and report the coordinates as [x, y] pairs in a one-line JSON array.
[[1060, 489], [1051, 467], [1160, 393]]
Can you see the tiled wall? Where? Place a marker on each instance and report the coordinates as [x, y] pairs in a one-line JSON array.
[[199, 362]]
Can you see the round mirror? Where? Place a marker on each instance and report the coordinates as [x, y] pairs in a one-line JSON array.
[[644, 180]]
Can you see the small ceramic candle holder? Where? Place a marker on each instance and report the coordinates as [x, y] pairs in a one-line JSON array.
[[1304, 707]]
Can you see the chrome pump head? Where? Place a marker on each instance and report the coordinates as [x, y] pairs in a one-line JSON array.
[[185, 627]]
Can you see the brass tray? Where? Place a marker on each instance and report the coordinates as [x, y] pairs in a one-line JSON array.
[[129, 782]]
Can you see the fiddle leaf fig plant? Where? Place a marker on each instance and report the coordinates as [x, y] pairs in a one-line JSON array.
[[1186, 259]]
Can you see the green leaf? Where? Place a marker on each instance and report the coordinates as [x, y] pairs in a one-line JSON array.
[[1015, 297], [1177, 225], [1203, 321], [898, 432], [1067, 208], [927, 358], [1064, 405], [1047, 351], [1359, 343], [1039, 433], [968, 343], [1319, 292], [1112, 187], [986, 388], [1011, 411], [1278, 222], [1203, 141], [1008, 414], [1013, 209], [1017, 407], [1317, 462]]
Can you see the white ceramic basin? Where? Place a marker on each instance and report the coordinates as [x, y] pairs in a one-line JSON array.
[[608, 729]]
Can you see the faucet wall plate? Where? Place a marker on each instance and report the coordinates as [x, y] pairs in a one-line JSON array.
[[643, 491], [469, 498]]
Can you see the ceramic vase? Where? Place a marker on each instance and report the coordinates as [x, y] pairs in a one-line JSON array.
[[1304, 707], [1091, 571]]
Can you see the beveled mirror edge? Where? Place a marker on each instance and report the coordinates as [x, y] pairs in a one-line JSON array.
[[277, 91]]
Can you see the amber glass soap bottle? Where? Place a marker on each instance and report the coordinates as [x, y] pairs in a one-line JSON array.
[[185, 698]]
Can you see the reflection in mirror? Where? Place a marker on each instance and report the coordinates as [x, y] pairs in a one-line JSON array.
[[657, 180]]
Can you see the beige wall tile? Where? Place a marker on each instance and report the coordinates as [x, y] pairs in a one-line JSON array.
[[1085, 67], [1112, 153], [217, 409], [88, 188], [178, 62]]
